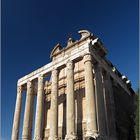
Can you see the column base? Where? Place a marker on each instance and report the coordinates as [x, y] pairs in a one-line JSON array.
[[71, 137], [26, 138], [37, 138], [53, 138], [91, 135], [96, 136]]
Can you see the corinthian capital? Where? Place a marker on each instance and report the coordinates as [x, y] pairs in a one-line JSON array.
[[40, 79], [54, 71], [19, 89], [87, 57], [69, 64], [29, 84]]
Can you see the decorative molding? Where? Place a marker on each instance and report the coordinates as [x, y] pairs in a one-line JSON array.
[[84, 33], [56, 50]]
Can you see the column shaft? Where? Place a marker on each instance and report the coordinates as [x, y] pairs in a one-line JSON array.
[[46, 108], [90, 98], [54, 106], [28, 114], [70, 114], [39, 110], [110, 106], [100, 101], [16, 121]]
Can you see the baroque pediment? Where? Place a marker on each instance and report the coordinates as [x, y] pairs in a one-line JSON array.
[[55, 50], [84, 33]]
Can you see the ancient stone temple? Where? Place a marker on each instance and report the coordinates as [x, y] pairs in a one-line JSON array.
[[80, 95]]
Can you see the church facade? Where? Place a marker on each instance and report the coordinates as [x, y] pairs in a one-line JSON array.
[[80, 95]]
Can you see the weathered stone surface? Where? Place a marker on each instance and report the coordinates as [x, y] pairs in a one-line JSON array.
[[70, 103], [16, 121], [28, 114], [102, 124], [91, 117], [78, 99], [54, 106], [39, 110]]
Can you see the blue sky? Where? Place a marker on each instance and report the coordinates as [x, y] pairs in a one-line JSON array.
[[30, 30]]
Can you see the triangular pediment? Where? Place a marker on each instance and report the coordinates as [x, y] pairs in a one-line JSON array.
[[56, 49]]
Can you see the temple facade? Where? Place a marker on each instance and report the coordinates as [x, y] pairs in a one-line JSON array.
[[80, 95]]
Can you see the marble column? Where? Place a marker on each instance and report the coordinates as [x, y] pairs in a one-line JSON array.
[[70, 100], [28, 114], [54, 106], [91, 118], [100, 101], [110, 105], [39, 110], [16, 121], [46, 106]]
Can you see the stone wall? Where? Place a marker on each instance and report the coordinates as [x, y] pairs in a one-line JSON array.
[[124, 117]]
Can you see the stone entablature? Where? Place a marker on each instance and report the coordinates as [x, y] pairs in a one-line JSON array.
[[73, 52], [75, 101]]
